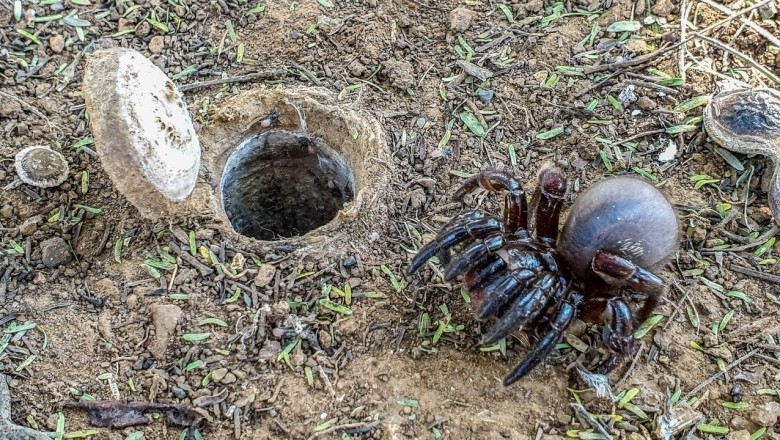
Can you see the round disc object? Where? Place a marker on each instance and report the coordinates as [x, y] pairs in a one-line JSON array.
[[41, 167]]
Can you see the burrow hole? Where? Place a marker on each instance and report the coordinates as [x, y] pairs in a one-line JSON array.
[[280, 184]]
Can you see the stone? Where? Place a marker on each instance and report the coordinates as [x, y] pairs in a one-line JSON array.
[[55, 252], [157, 44], [400, 72], [228, 379], [663, 8], [265, 274], [485, 96], [646, 104], [740, 435], [142, 130], [219, 374], [534, 6], [30, 225], [766, 414], [460, 19], [132, 301], [7, 211], [106, 289], [165, 318], [41, 167], [57, 43]]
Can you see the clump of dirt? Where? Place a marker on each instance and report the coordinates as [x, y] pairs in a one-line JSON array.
[[324, 336]]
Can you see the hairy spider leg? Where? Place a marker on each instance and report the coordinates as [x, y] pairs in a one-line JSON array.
[[564, 315], [474, 255], [524, 309], [546, 204], [462, 228], [515, 204], [618, 271]]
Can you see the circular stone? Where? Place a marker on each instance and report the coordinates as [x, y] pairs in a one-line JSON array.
[[41, 167], [142, 129]]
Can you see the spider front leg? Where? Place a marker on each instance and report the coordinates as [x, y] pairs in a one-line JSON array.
[[469, 226], [515, 204], [618, 334], [547, 202], [618, 271]]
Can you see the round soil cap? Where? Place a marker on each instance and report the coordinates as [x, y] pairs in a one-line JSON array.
[[41, 166], [142, 130]]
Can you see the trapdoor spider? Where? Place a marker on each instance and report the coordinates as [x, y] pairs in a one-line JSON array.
[[528, 275]]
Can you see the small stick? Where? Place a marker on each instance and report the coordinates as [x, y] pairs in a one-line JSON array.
[[649, 57], [591, 421], [649, 85], [632, 366], [344, 427], [771, 232], [311, 75], [202, 268], [272, 74], [739, 54], [684, 11], [755, 274], [750, 23], [717, 376], [641, 135]]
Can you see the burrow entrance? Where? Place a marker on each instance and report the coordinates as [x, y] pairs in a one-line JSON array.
[[280, 184]]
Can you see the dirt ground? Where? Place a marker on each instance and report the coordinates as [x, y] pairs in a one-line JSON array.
[[290, 357]]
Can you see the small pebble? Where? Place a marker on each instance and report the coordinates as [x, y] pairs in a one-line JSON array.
[[157, 44], [55, 252], [485, 96], [57, 43]]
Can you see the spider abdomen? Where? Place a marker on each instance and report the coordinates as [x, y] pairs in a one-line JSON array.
[[625, 216]]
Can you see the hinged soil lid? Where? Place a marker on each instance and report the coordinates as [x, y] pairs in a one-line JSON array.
[[142, 130]]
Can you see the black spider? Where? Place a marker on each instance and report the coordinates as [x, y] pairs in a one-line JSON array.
[[526, 273]]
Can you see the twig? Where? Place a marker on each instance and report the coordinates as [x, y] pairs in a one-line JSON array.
[[272, 74], [739, 54], [717, 376], [641, 135], [649, 85], [309, 74], [750, 23], [591, 421], [771, 232], [755, 274], [632, 366], [344, 427], [651, 56], [684, 11], [202, 268], [29, 107]]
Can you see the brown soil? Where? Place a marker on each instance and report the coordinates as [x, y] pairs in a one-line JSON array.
[[373, 371]]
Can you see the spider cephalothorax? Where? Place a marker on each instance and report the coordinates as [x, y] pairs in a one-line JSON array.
[[528, 275]]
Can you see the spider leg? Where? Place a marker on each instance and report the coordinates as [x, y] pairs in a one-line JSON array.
[[472, 225], [547, 202], [515, 205], [618, 334], [474, 255], [480, 274], [618, 271], [496, 295], [563, 318], [523, 310]]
